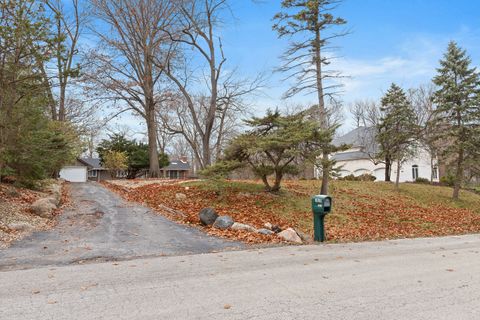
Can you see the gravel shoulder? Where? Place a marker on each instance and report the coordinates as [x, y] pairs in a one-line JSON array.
[[100, 226]]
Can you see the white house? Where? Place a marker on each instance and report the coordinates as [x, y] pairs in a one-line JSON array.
[[358, 159]]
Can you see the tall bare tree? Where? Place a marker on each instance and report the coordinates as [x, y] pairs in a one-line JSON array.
[[66, 33], [305, 59], [195, 30], [125, 66]]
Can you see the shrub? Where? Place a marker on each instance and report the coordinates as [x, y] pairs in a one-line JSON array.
[[363, 177], [447, 180], [422, 180]]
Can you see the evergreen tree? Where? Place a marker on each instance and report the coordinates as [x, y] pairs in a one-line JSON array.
[[457, 113], [305, 59], [136, 152], [270, 148], [396, 129]]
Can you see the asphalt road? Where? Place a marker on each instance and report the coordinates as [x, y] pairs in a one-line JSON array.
[[403, 279], [100, 226]]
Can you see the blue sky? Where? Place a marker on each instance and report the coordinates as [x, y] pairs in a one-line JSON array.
[[391, 41]]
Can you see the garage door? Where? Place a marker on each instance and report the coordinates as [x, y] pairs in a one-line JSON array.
[[74, 174]]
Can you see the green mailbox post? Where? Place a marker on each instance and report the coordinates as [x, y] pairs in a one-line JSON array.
[[321, 206]]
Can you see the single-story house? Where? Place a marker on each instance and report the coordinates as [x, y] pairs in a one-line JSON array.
[[177, 169], [359, 159], [95, 170]]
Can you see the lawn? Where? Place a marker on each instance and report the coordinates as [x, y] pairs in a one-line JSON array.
[[361, 210]]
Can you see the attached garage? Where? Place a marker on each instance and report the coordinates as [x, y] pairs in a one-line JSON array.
[[74, 174]]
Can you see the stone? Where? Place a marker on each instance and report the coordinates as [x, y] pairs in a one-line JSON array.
[[276, 228], [241, 226], [268, 226], [43, 207], [223, 222], [265, 231], [290, 235], [305, 237], [180, 196], [20, 226], [208, 216], [12, 192], [54, 200]]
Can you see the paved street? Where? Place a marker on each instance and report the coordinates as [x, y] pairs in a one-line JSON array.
[[101, 226], [402, 279]]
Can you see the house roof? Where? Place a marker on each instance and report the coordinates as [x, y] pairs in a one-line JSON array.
[[363, 139], [359, 137], [177, 165], [354, 155], [94, 163]]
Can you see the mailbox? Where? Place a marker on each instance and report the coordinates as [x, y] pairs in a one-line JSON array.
[[321, 206]]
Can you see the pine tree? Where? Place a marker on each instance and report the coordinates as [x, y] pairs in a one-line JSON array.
[[305, 59], [457, 113], [396, 129]]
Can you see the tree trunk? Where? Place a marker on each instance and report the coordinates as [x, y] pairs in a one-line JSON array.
[[388, 168], [397, 179], [458, 175], [265, 182], [152, 143], [278, 181], [325, 174], [321, 107]]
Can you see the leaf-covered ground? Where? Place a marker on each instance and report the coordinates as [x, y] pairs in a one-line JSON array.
[[361, 210], [16, 220]]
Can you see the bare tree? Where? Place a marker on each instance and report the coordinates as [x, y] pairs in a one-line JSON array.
[[195, 30], [66, 29], [125, 67]]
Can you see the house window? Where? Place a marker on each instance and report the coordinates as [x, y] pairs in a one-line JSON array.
[[414, 172], [435, 172], [92, 173]]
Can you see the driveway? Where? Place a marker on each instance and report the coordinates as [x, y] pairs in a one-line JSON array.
[[437, 278], [102, 226]]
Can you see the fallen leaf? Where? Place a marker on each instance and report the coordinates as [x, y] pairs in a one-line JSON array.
[[227, 306]]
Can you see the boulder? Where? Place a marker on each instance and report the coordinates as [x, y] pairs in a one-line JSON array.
[[290, 235], [276, 228], [12, 192], [265, 231], [43, 207], [54, 200], [180, 196], [20, 226], [223, 222], [305, 237], [241, 226], [208, 216]]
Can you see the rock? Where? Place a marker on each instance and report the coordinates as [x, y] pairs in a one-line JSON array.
[[265, 231], [208, 216], [290, 235], [305, 237], [54, 200], [180, 196], [276, 228], [20, 226], [12, 192], [268, 226], [223, 222], [43, 207], [241, 226]]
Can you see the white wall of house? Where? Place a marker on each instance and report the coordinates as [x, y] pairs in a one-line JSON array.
[[360, 166]]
